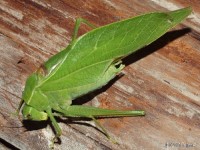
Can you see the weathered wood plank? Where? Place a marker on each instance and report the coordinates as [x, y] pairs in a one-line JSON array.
[[162, 79]]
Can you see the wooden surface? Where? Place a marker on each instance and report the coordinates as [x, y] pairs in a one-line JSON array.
[[163, 79]]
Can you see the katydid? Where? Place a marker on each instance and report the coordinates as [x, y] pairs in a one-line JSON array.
[[88, 63]]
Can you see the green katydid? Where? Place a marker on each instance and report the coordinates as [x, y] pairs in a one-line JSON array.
[[88, 63]]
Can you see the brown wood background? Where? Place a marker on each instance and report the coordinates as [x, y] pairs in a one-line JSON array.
[[163, 79]]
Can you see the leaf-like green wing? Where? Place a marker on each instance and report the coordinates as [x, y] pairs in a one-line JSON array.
[[88, 63]]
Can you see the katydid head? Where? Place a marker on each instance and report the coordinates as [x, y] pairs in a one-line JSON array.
[[31, 113]]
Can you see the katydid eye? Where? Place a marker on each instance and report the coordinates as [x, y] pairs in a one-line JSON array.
[[28, 116]]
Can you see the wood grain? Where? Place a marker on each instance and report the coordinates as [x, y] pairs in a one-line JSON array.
[[163, 79]]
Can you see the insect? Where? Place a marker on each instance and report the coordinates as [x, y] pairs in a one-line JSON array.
[[88, 63]]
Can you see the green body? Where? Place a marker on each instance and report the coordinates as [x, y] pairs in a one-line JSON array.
[[88, 63]]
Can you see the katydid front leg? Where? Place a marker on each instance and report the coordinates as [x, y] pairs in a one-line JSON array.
[[54, 123]]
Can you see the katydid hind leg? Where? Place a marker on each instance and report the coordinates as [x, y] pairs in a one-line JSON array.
[[84, 111], [93, 112], [77, 25], [103, 130]]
